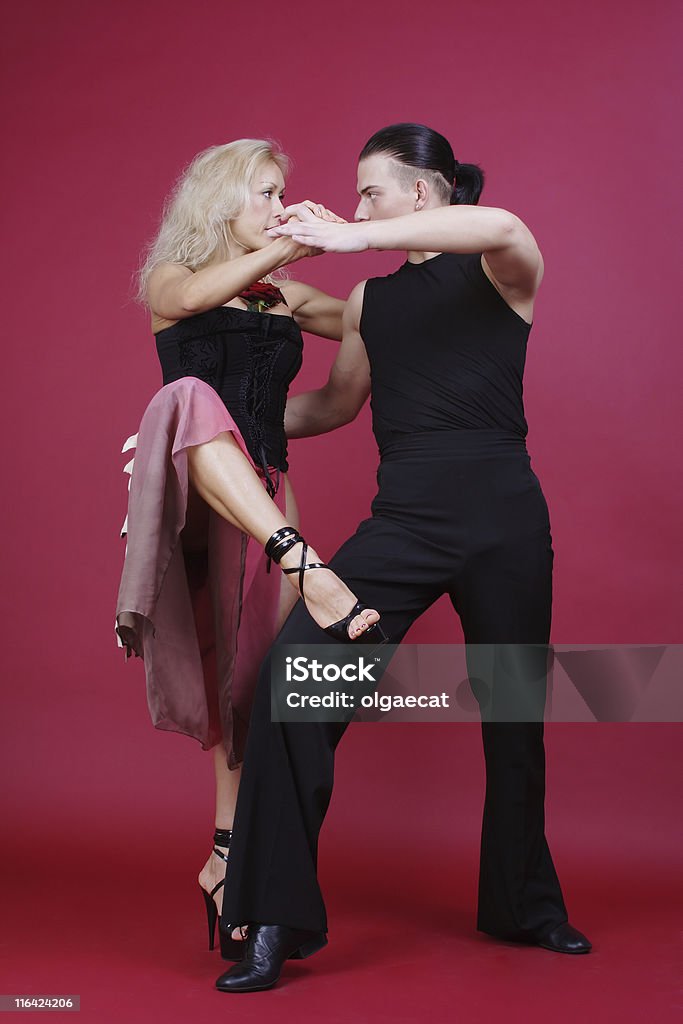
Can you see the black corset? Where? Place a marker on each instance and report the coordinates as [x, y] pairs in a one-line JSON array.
[[249, 359]]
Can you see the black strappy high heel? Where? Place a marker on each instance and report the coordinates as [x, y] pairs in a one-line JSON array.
[[231, 949], [278, 545]]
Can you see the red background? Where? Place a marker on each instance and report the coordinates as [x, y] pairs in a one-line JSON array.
[[571, 111]]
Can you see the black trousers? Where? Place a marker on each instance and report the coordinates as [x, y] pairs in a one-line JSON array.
[[460, 513]]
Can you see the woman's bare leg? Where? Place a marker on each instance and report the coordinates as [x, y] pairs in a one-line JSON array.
[[228, 483], [227, 784], [288, 595]]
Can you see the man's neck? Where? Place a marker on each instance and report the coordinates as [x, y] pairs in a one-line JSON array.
[[420, 257]]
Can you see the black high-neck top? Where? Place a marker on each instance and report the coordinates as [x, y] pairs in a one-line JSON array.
[[446, 351], [249, 359]]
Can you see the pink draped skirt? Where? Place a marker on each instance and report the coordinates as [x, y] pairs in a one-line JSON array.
[[203, 620]]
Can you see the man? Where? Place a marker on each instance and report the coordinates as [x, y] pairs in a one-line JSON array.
[[440, 344]]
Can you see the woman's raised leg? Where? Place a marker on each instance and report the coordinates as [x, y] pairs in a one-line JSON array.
[[226, 480]]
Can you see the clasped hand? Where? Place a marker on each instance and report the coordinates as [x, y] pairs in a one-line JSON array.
[[315, 226]]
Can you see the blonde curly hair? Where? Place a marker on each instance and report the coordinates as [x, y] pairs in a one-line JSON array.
[[212, 191]]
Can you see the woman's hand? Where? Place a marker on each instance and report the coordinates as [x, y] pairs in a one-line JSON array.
[[325, 235], [296, 213], [317, 209], [298, 251]]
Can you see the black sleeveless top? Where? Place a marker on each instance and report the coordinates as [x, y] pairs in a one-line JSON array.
[[446, 351], [249, 359]]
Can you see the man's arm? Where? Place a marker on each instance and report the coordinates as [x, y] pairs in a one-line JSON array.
[[347, 388], [509, 248]]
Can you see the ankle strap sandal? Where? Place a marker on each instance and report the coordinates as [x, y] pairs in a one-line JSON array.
[[278, 545], [231, 949]]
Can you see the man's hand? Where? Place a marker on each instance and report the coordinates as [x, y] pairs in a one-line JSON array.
[[325, 234]]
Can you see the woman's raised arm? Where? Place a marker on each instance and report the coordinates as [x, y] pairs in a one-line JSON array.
[[314, 311], [174, 292]]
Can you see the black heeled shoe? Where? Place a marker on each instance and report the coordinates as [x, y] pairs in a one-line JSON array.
[[231, 949], [278, 545], [268, 946]]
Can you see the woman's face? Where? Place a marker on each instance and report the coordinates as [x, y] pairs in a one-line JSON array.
[[263, 210], [381, 193]]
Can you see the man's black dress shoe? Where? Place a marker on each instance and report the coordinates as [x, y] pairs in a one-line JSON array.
[[267, 948], [563, 938]]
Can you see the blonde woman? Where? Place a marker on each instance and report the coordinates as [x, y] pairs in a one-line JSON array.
[[210, 504]]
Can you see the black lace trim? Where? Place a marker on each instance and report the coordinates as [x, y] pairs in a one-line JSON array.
[[262, 355], [215, 321]]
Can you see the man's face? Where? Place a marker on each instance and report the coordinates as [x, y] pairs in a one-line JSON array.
[[380, 191]]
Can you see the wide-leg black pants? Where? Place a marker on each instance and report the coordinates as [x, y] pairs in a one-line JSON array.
[[460, 513]]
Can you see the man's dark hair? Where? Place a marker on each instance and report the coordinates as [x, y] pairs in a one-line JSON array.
[[416, 145]]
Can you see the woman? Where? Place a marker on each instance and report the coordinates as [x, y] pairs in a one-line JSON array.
[[440, 344], [197, 600]]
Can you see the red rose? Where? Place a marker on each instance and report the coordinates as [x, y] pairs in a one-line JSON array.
[[261, 296]]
